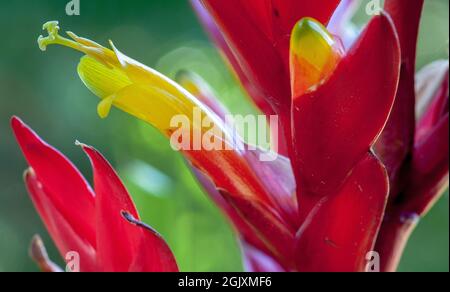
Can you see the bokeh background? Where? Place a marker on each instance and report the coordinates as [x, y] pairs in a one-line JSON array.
[[44, 90]]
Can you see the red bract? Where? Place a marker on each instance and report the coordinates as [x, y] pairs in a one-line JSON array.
[[335, 125], [101, 225]]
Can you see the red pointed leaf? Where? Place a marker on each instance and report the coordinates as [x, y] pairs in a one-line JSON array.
[[335, 125], [119, 241], [342, 229], [67, 190]]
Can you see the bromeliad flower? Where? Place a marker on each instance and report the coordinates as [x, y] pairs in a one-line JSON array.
[[101, 225], [321, 207]]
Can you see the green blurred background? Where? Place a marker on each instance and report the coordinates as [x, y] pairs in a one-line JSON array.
[[44, 90]]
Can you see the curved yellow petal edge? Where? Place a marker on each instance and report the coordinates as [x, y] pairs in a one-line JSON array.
[[314, 55], [124, 83]]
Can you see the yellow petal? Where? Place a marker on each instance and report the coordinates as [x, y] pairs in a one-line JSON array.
[[104, 106], [143, 100], [152, 104], [141, 74], [100, 79]]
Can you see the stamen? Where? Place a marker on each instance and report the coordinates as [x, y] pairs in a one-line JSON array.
[[88, 47], [54, 38]]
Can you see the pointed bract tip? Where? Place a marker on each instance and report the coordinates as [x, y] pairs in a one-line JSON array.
[[16, 122], [21, 130], [80, 144], [89, 150]]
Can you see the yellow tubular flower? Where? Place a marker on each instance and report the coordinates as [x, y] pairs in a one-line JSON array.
[[314, 55], [128, 85], [148, 95]]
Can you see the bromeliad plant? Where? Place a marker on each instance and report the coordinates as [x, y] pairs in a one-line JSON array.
[[359, 167], [101, 225]]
